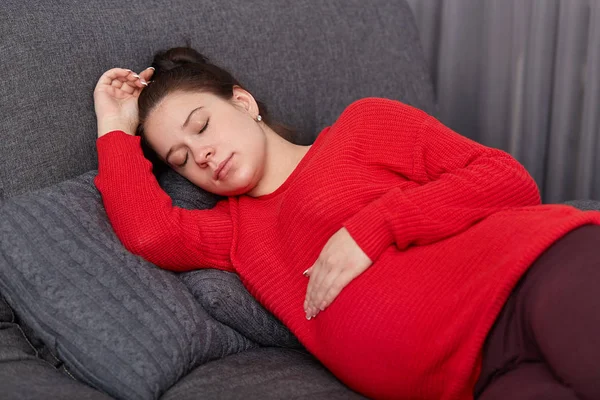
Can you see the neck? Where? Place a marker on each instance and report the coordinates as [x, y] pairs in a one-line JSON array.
[[282, 159]]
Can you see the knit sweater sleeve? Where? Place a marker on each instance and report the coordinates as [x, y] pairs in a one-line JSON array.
[[456, 181], [144, 219]]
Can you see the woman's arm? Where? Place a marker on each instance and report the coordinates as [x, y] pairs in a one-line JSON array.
[[460, 181], [144, 219]]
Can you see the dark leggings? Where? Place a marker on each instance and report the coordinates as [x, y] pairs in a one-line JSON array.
[[545, 344]]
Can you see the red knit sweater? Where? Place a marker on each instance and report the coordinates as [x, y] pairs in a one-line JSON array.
[[450, 224]]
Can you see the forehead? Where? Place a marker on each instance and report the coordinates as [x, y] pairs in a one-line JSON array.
[[178, 105]]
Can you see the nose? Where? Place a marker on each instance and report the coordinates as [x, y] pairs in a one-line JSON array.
[[203, 154]]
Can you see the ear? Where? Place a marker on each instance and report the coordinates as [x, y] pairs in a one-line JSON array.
[[243, 99]]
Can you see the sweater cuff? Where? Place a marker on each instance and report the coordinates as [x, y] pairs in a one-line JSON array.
[[370, 230], [117, 144]]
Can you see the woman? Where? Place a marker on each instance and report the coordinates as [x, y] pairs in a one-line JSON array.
[[411, 261]]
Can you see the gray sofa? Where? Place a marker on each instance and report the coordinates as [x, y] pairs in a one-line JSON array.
[[81, 318]]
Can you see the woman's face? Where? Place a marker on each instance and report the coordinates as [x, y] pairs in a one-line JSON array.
[[196, 133]]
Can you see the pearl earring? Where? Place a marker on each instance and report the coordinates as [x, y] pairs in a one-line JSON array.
[[259, 118]]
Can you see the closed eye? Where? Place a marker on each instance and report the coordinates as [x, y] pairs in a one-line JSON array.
[[187, 153]]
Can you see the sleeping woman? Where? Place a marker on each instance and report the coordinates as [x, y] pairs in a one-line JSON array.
[[413, 262]]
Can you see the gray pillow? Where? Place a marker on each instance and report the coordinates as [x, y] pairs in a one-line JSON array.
[[224, 297], [222, 293], [119, 323]]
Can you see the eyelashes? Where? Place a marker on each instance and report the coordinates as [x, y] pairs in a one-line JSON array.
[[205, 126], [184, 161], [187, 153]]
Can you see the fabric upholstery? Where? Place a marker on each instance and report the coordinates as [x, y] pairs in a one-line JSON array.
[[117, 322], [225, 298], [264, 373], [312, 61], [34, 380], [25, 373], [584, 204]]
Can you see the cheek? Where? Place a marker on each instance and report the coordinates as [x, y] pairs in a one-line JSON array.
[[249, 166], [245, 167]]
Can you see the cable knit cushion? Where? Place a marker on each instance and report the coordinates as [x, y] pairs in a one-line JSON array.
[[118, 323], [223, 295]]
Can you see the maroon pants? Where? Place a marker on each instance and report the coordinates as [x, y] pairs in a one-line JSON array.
[[545, 343]]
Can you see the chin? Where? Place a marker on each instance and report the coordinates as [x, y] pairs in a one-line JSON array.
[[230, 192], [232, 189]]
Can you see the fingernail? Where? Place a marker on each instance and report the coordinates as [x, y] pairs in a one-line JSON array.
[[307, 317], [136, 75], [143, 81], [305, 272], [322, 306], [151, 68]]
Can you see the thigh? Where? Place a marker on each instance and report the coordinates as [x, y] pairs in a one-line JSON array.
[[529, 381], [561, 308], [549, 316]]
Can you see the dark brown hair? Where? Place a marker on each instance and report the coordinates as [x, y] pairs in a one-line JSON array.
[[185, 69]]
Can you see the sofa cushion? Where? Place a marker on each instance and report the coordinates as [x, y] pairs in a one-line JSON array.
[[117, 322], [264, 373], [584, 205], [27, 374], [35, 380], [314, 59]]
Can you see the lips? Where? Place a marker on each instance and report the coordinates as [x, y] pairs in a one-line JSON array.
[[220, 167]]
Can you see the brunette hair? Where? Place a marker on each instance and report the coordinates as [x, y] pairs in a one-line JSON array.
[[185, 69]]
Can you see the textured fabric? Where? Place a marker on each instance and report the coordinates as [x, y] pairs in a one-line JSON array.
[[450, 224], [184, 193], [25, 373], [34, 380], [225, 298], [116, 321], [14, 344], [550, 320], [584, 204], [222, 293], [258, 374], [315, 58]]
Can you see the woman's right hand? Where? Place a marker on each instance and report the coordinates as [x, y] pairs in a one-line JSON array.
[[116, 99]]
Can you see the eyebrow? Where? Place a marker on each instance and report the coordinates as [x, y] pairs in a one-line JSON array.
[[187, 120]]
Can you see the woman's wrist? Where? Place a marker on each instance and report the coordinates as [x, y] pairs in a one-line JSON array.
[[108, 125]]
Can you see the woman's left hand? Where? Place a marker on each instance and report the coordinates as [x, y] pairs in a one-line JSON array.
[[340, 261]]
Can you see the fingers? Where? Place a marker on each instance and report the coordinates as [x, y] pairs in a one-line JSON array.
[[320, 278], [112, 74], [330, 283], [315, 274], [147, 74], [116, 84], [324, 285], [124, 79], [334, 289]]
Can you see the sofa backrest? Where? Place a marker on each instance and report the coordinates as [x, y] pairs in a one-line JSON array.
[[305, 59]]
